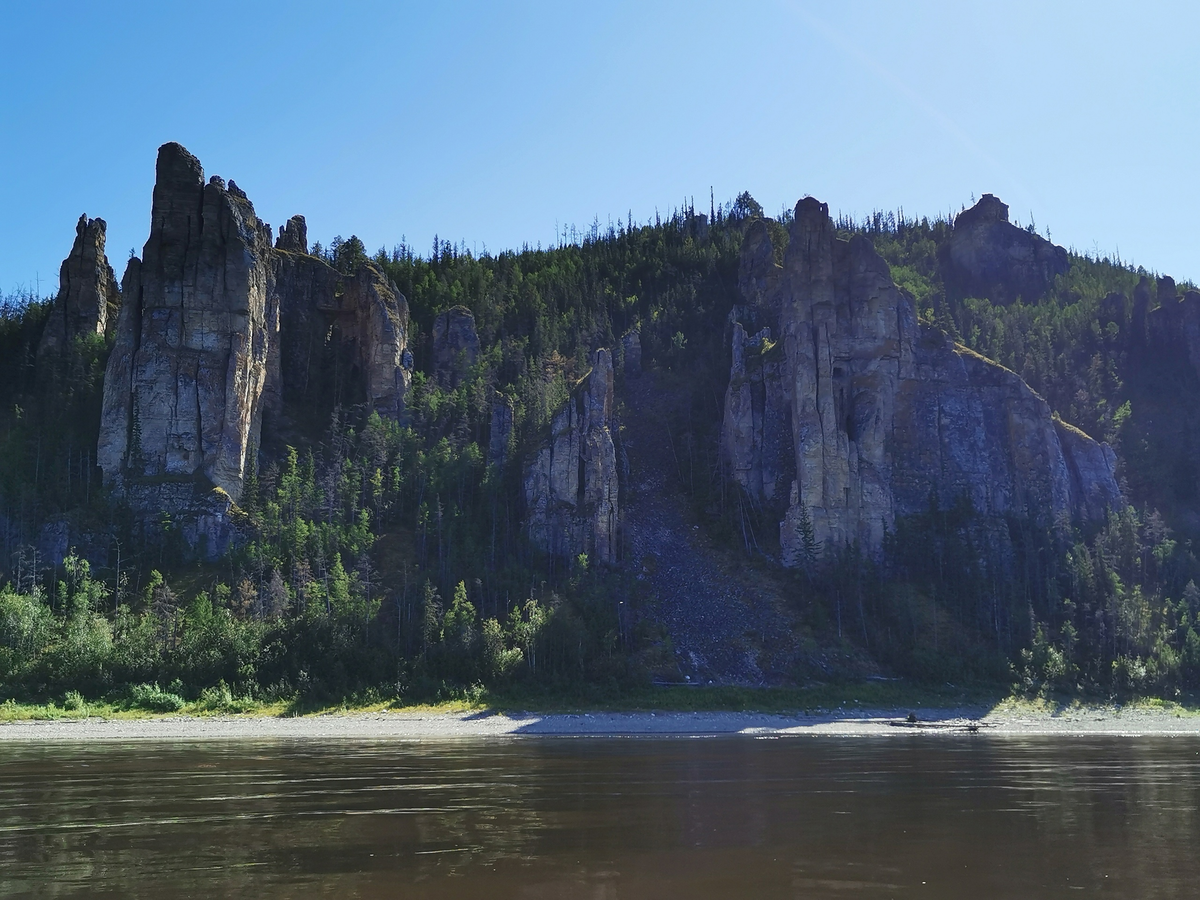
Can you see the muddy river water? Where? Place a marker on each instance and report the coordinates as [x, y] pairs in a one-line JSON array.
[[975, 816]]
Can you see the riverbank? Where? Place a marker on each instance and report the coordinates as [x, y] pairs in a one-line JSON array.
[[1009, 718]]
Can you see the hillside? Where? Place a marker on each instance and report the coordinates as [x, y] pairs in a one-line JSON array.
[[718, 447]]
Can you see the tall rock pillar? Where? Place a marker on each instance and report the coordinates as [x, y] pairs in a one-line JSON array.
[[571, 488], [87, 290], [184, 382]]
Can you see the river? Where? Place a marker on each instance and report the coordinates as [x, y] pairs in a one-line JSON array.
[[923, 816]]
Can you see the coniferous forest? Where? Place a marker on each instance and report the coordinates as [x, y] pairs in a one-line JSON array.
[[389, 557]]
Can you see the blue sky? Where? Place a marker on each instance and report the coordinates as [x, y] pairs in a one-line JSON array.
[[493, 123]]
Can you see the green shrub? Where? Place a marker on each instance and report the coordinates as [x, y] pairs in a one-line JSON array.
[[220, 698], [154, 699]]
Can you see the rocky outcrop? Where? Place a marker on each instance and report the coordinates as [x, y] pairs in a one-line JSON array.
[[374, 324], [757, 269], [884, 414], [988, 256], [218, 328], [304, 293], [1174, 325], [756, 436], [571, 488], [187, 403], [500, 434], [87, 291], [356, 325], [293, 237], [631, 353], [455, 346]]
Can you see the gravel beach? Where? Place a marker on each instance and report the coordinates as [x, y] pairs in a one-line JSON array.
[[434, 726]]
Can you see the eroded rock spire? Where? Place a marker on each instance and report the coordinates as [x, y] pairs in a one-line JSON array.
[[87, 291], [219, 327]]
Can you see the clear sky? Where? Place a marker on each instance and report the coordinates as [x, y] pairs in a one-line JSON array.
[[492, 123]]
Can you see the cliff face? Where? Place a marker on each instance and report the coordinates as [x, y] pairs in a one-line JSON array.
[[989, 256], [571, 488], [87, 290], [1174, 326], [756, 435], [219, 326], [455, 346], [182, 388], [316, 310], [883, 412]]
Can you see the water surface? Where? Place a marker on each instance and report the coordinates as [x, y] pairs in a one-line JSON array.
[[806, 817]]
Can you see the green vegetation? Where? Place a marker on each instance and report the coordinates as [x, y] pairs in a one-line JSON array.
[[387, 562]]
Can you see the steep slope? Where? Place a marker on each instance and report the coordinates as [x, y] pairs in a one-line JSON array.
[[728, 621]]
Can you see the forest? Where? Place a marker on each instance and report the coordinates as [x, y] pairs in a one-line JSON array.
[[384, 558]]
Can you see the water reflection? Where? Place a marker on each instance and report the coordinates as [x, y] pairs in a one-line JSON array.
[[724, 817]]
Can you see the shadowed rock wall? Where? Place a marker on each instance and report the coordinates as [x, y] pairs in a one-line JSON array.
[[455, 346], [988, 256]]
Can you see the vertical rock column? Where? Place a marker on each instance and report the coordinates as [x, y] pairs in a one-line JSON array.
[[378, 328], [455, 346], [183, 386], [87, 289], [571, 488], [842, 323]]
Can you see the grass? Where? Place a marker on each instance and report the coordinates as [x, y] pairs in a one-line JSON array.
[[14, 711], [817, 698], [671, 698], [1188, 705]]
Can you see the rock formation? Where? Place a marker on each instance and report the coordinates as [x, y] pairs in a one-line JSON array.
[[293, 237], [219, 326], [1174, 325], [987, 256], [374, 324], [883, 413], [571, 488], [756, 436], [194, 332], [87, 291], [631, 353], [500, 432], [455, 346]]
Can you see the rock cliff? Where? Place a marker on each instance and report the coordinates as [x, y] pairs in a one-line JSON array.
[[1174, 325], [988, 256], [571, 488], [218, 327], [883, 413], [756, 435], [182, 389], [87, 291], [293, 236], [455, 346], [500, 431]]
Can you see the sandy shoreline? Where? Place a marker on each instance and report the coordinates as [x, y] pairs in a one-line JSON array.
[[432, 726]]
